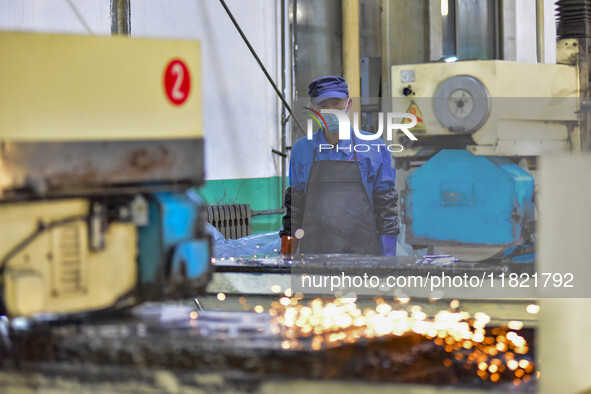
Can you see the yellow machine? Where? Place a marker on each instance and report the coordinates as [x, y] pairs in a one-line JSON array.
[[480, 127], [490, 107], [100, 139]]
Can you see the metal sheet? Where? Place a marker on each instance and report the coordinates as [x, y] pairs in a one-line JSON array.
[[467, 253]]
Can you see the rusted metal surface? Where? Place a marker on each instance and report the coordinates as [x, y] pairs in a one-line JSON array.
[[44, 168], [403, 359], [240, 346]]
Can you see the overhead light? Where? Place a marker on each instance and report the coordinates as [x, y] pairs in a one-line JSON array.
[[444, 8]]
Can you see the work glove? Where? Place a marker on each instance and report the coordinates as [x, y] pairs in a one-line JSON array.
[[385, 205], [386, 212]]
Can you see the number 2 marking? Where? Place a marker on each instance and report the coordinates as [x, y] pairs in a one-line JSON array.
[[177, 81], [179, 74]]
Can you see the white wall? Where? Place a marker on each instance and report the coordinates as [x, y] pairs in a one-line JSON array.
[[55, 16], [519, 27], [240, 108]]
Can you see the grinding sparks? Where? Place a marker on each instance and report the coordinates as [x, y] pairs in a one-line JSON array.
[[276, 289], [512, 365], [515, 325], [497, 354], [533, 309]]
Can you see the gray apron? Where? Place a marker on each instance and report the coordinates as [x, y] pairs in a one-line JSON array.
[[338, 217]]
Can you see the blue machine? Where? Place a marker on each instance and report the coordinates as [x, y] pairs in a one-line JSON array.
[[459, 199], [174, 248]]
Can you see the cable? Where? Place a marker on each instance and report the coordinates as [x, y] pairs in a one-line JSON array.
[[260, 63], [79, 16]]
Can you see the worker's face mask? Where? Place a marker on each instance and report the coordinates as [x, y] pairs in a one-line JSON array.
[[332, 122]]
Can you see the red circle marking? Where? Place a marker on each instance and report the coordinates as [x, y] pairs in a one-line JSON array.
[[177, 81]]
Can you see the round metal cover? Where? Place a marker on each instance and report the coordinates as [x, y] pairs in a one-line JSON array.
[[462, 104]]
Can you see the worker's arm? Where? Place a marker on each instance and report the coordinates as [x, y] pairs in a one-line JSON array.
[[294, 204], [286, 220], [292, 220], [385, 201], [386, 211]]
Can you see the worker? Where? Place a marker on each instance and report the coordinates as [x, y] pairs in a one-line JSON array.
[[340, 200]]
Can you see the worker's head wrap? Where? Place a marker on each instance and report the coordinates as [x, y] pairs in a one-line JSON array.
[[327, 87]]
